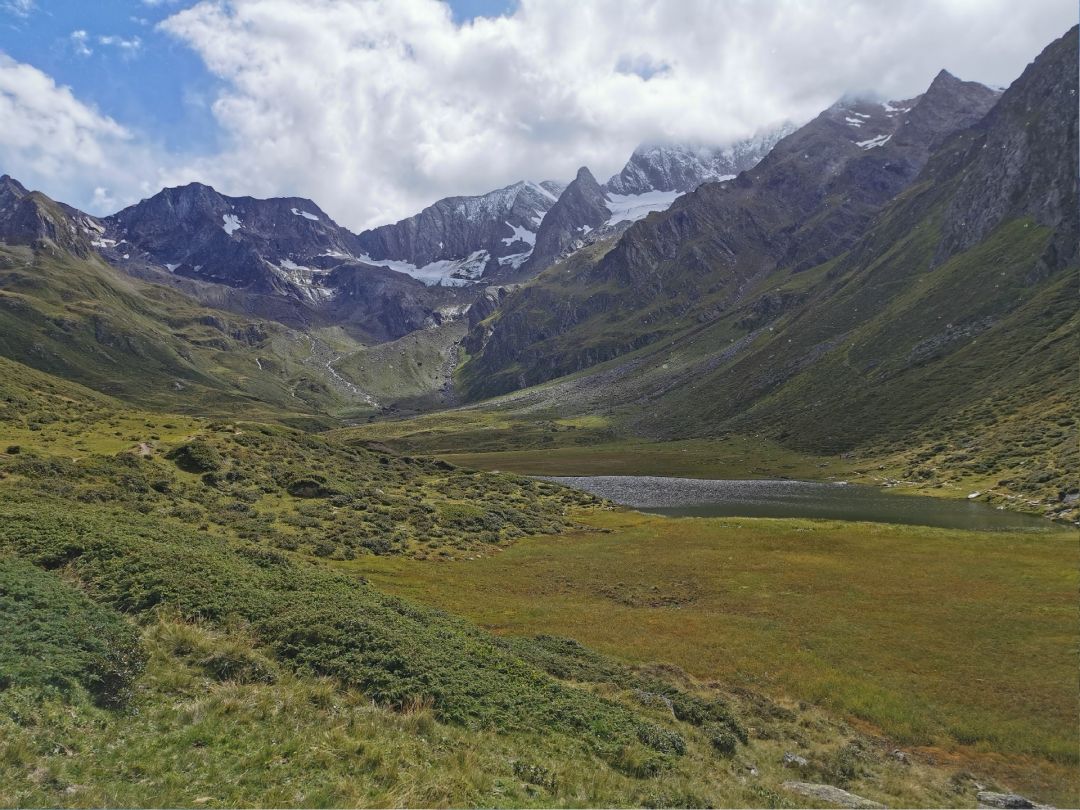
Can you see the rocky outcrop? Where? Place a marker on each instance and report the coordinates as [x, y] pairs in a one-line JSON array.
[[1021, 161], [31, 218], [832, 795], [1008, 801], [385, 306], [582, 207]]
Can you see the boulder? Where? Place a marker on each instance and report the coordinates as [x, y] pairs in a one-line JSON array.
[[832, 795], [987, 798]]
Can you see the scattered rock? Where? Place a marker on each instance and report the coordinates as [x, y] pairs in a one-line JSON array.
[[655, 699], [832, 795], [900, 756], [791, 760], [987, 798]]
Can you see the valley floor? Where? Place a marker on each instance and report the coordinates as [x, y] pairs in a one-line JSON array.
[[959, 646]]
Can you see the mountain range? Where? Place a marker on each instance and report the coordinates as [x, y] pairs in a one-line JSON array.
[[854, 265]]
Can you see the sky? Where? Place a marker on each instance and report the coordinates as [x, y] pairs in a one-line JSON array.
[[376, 108]]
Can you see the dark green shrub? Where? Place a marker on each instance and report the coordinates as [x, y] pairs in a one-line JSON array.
[[661, 739], [197, 456], [55, 638], [723, 741]]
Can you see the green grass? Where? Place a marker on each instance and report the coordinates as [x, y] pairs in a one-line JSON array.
[[905, 628], [734, 457]]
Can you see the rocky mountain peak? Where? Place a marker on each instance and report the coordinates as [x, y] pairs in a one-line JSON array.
[[1021, 160], [581, 208], [682, 167], [32, 218], [459, 239], [10, 188], [585, 176]]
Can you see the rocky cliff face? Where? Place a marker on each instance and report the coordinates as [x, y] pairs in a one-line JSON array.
[[283, 259], [1022, 161], [31, 218], [464, 238], [264, 246], [684, 167], [581, 208]]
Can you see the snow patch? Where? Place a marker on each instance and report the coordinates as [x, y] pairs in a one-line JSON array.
[[520, 235], [230, 223], [891, 110], [337, 254], [171, 267], [515, 260], [633, 207], [543, 191], [853, 122], [304, 278], [305, 214], [445, 272], [880, 140]]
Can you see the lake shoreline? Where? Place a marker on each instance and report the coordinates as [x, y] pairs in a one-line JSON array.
[[796, 498]]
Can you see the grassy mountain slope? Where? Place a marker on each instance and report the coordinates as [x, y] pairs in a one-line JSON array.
[[84, 320]]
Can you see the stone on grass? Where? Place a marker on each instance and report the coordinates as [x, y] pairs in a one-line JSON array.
[[833, 795]]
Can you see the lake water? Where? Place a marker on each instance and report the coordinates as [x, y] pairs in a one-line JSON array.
[[692, 497]]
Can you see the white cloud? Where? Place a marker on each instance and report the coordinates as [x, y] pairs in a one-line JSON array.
[[20, 8], [377, 108], [80, 43], [128, 48], [53, 141]]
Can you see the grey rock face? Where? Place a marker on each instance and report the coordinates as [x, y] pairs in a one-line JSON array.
[[284, 259], [987, 798], [684, 167], [501, 226], [791, 760], [264, 246], [31, 218], [832, 795], [1021, 161], [582, 207]]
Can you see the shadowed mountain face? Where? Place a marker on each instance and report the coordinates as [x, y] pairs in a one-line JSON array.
[[238, 241], [31, 218], [804, 204], [283, 259], [581, 208], [467, 237]]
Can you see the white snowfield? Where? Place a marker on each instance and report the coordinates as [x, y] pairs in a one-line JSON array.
[[230, 223], [305, 214], [445, 272], [520, 235], [632, 207]]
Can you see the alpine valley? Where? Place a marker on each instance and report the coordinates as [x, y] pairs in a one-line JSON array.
[[277, 529]]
